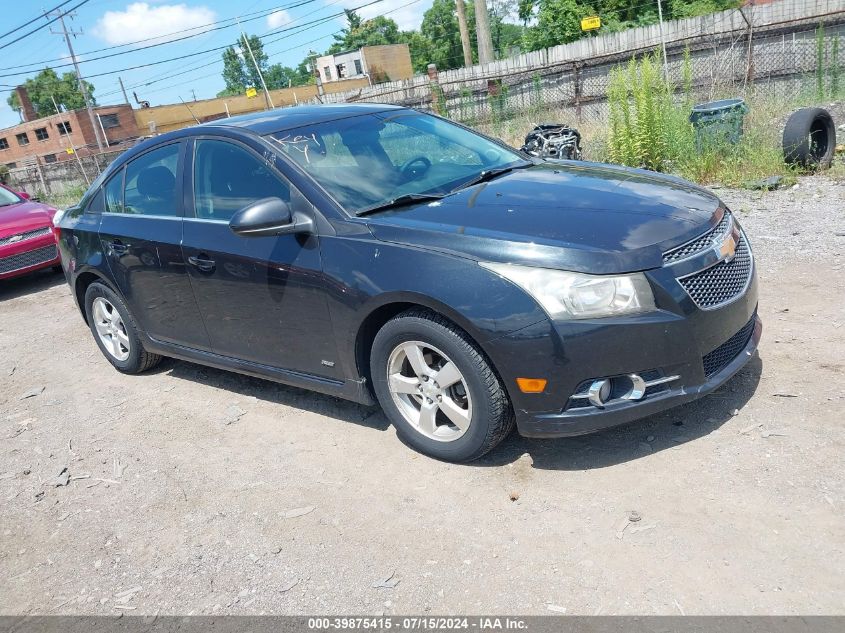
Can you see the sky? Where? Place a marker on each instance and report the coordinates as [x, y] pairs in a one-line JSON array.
[[289, 28]]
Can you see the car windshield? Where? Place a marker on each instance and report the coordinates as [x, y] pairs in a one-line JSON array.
[[7, 197], [374, 160]]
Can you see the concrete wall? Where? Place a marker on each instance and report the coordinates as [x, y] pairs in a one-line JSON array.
[[173, 117], [388, 63]]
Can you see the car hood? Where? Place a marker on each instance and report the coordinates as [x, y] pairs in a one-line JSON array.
[[579, 216], [24, 216]]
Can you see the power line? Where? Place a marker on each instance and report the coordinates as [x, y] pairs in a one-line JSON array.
[[202, 28], [37, 17], [164, 61], [43, 26]]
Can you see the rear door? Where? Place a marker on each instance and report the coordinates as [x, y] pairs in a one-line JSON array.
[[262, 298], [141, 234]]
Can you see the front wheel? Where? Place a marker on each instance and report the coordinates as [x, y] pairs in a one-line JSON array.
[[437, 388]]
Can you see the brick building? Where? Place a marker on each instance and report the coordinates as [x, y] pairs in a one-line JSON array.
[[389, 62], [49, 138]]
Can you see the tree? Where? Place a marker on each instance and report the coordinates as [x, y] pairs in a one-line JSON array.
[[440, 27], [239, 70], [357, 33], [559, 21], [46, 86]]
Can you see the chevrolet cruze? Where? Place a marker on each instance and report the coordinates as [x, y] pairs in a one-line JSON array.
[[388, 256]]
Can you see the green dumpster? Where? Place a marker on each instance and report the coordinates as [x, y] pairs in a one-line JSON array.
[[718, 123]]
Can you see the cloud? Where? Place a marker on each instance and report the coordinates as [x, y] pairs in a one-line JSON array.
[[278, 18], [140, 20], [407, 17]]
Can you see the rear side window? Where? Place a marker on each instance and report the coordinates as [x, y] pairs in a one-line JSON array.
[[97, 204], [227, 177], [151, 183], [114, 193]]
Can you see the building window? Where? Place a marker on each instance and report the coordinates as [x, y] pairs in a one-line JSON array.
[[23, 139], [358, 69], [109, 120], [64, 128], [41, 133], [11, 165], [327, 71], [49, 158], [341, 71], [4, 144]]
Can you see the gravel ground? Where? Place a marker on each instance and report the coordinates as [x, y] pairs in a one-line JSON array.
[[192, 490]]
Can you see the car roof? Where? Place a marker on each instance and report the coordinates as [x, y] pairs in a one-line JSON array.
[[271, 121]]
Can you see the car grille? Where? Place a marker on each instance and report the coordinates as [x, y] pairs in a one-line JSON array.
[[701, 243], [20, 237], [721, 357], [25, 260], [723, 282]]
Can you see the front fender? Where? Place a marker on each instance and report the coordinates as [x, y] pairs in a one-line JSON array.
[[366, 276]]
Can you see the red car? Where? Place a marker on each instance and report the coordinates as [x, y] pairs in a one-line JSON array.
[[27, 235]]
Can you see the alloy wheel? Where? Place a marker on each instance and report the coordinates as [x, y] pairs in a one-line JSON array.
[[111, 329], [429, 391]]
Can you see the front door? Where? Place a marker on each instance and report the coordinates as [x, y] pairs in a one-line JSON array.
[[262, 298], [141, 234]]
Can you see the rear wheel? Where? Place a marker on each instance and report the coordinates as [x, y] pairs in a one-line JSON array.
[[437, 388], [115, 331]]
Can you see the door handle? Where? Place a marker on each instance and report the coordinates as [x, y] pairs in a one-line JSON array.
[[202, 263], [118, 247]]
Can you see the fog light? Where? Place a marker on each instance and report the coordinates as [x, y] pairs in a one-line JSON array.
[[599, 392]]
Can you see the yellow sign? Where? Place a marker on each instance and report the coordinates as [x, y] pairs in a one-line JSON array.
[[591, 24], [251, 92], [69, 150]]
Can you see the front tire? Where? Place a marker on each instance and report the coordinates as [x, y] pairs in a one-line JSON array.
[[115, 331], [437, 388]]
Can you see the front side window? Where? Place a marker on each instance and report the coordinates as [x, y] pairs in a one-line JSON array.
[[368, 160], [227, 177], [151, 183], [8, 198]]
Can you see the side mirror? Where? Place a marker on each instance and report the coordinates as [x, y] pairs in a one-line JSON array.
[[269, 216], [24, 195]]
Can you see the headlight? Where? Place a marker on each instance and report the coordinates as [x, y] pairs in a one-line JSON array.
[[567, 295]]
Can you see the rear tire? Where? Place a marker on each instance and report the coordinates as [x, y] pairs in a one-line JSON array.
[[458, 421], [809, 138], [115, 331]]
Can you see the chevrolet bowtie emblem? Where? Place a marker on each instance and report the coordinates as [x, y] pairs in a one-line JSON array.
[[727, 249], [15, 238]]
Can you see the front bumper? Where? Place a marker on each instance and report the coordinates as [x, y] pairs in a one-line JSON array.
[[585, 420], [699, 349], [21, 258]]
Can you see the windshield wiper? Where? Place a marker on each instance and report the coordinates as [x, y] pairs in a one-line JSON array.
[[408, 198], [489, 174]]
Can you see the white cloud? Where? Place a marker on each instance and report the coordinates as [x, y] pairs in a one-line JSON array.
[[278, 18], [407, 17], [141, 20]]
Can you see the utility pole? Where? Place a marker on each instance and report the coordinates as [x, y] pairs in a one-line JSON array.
[[663, 40], [79, 78], [462, 26], [123, 90], [260, 74], [482, 32]]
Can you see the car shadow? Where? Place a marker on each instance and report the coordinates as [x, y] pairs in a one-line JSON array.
[[638, 439], [30, 283], [274, 393], [609, 447]]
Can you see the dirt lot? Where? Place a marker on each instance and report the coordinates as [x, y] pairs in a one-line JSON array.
[[304, 503]]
